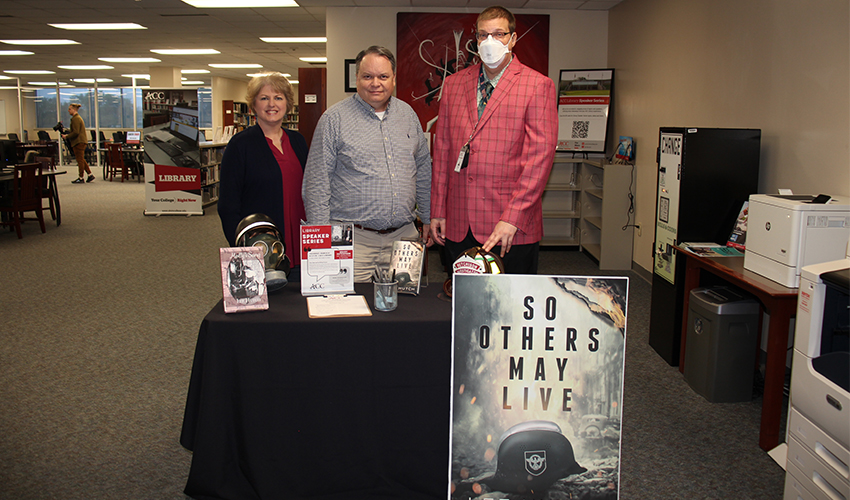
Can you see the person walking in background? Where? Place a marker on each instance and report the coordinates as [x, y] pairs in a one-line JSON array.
[[263, 166], [493, 151], [77, 139], [369, 165]]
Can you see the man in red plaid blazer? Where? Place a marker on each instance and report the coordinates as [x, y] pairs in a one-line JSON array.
[[494, 145]]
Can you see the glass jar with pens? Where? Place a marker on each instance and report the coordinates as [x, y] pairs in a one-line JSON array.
[[386, 290]]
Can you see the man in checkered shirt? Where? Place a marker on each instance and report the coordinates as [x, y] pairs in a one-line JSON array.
[[369, 165]]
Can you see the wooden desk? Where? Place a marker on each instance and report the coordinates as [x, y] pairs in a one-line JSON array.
[[7, 176], [779, 302]]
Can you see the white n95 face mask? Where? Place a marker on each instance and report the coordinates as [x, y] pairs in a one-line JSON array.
[[491, 52]]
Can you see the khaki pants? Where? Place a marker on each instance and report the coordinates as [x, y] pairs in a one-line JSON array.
[[371, 249], [80, 154]]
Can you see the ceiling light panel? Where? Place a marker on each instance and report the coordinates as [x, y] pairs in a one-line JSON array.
[[90, 66], [244, 4], [99, 26], [235, 66], [295, 39], [41, 42], [29, 72], [128, 59], [184, 52], [15, 53]]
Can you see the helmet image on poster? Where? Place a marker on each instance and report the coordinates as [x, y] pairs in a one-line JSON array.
[[258, 230], [476, 260], [533, 455]]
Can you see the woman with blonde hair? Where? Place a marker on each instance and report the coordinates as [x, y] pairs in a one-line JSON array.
[[77, 139], [263, 166]]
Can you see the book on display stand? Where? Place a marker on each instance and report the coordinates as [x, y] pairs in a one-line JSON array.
[[243, 279], [406, 264]]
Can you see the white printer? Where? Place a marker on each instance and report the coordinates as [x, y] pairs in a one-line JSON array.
[[787, 232], [818, 431]]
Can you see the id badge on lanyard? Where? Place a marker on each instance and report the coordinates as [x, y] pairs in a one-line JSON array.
[[463, 156]]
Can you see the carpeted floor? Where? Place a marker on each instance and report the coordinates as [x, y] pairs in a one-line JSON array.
[[100, 322]]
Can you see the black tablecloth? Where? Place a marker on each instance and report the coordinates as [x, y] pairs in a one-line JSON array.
[[281, 406]]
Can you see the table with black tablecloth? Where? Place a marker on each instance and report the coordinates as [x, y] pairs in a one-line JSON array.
[[284, 406]]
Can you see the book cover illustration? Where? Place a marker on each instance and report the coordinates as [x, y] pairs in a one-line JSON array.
[[625, 149], [406, 264], [537, 384], [243, 279], [327, 259], [739, 233]]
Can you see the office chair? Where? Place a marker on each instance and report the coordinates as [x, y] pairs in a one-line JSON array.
[[13, 136], [48, 189], [43, 135], [91, 148]]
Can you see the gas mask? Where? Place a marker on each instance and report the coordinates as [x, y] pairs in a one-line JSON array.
[[492, 52], [258, 230]]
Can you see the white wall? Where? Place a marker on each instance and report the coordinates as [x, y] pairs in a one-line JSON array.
[[11, 118], [782, 66], [577, 39], [225, 89]]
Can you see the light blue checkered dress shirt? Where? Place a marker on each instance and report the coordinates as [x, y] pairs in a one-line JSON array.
[[368, 171]]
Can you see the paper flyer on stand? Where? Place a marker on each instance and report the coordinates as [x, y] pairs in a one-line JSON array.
[[584, 99], [537, 386], [327, 257]]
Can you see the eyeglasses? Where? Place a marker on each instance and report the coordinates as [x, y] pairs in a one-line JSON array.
[[499, 35]]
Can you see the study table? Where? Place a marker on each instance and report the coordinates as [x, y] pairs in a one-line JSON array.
[[284, 406], [43, 148], [778, 301]]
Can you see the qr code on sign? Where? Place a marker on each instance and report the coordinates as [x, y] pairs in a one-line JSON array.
[[580, 129]]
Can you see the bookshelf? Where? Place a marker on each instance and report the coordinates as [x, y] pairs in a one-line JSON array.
[[291, 119], [586, 203], [211, 154], [237, 114]]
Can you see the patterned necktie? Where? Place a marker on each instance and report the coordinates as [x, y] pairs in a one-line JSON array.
[[486, 89]]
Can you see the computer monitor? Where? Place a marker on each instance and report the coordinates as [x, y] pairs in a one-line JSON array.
[[133, 137], [8, 153], [184, 123]]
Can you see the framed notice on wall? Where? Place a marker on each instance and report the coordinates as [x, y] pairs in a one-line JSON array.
[[584, 100]]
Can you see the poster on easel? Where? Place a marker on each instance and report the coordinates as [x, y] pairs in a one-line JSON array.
[[172, 153], [537, 386], [584, 101]]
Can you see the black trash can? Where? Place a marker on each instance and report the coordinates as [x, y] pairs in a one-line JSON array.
[[721, 344]]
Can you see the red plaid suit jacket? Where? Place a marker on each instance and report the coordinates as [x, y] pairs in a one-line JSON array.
[[511, 153]]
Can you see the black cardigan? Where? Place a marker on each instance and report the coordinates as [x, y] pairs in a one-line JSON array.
[[251, 181]]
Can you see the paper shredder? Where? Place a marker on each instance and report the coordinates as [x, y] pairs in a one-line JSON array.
[[721, 343]]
